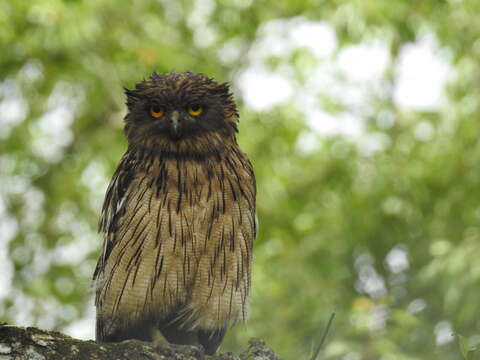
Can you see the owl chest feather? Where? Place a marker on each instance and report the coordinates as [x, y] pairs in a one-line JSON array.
[[183, 242]]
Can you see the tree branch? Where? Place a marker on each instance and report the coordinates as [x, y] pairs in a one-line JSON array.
[[33, 343]]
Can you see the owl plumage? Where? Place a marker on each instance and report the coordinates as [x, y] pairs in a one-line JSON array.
[[178, 218]]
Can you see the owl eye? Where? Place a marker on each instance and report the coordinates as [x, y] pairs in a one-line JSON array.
[[157, 111], [195, 109]]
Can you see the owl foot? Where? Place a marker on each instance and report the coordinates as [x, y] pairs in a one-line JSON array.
[[158, 339], [164, 347]]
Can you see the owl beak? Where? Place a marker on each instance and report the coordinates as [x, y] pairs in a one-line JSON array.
[[175, 124]]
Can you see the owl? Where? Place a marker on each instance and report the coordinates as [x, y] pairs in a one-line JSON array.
[[178, 219]]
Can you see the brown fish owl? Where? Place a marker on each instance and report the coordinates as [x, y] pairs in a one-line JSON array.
[[178, 218]]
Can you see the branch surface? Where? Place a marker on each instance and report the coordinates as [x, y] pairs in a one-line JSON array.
[[31, 343]]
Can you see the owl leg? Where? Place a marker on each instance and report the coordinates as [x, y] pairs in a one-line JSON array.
[[176, 339], [211, 339], [158, 339], [174, 335]]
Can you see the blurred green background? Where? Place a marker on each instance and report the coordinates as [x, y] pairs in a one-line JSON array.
[[361, 119]]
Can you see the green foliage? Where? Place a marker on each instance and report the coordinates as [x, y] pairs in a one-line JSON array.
[[333, 214], [468, 352]]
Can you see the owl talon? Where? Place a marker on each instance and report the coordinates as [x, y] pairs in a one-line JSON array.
[[158, 340], [161, 344]]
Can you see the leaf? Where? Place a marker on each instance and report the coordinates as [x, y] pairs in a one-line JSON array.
[[467, 351]]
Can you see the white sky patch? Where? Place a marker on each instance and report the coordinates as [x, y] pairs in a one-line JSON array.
[[307, 142], [74, 252], [86, 238], [378, 318], [369, 281], [203, 34], [13, 107], [416, 306], [272, 40], [9, 227], [263, 89], [424, 131], [370, 143], [363, 62], [280, 36], [84, 328], [334, 124], [397, 259], [22, 308], [32, 71], [52, 133], [319, 37], [231, 50], [33, 209], [350, 77], [444, 333], [95, 177], [421, 76]]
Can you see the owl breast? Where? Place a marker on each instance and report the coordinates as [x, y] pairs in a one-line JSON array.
[[182, 246]]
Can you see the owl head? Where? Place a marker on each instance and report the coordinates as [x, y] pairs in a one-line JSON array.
[[180, 113]]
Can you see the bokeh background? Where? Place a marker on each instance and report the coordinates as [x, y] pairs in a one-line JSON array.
[[361, 119]]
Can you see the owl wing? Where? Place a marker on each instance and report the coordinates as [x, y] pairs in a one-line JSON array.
[[114, 208]]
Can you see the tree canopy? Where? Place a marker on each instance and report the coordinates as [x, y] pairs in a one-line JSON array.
[[368, 198]]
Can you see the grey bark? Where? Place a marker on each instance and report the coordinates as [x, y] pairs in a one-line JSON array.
[[17, 343]]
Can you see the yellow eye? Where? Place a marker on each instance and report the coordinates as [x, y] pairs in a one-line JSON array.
[[195, 109], [157, 111]]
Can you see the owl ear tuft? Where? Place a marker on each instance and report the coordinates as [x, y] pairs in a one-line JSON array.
[[132, 96], [225, 87]]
